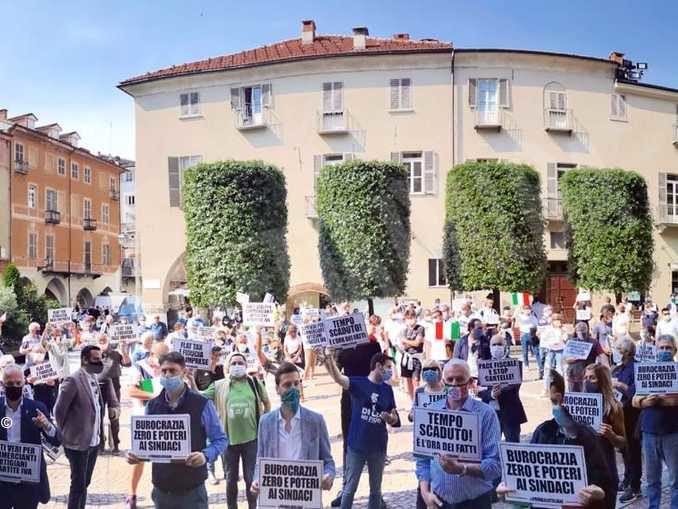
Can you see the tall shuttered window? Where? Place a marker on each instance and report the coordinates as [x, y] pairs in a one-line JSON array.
[[175, 168], [400, 94]]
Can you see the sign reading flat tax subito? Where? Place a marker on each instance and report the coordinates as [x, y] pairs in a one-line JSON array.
[[499, 372], [656, 378], [447, 432], [345, 331]]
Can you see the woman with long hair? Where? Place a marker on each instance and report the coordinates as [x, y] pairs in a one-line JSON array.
[[597, 379]]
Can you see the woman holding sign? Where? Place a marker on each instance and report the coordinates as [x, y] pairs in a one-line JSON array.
[[597, 380]]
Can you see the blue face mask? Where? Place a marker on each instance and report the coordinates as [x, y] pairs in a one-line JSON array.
[[388, 374], [561, 416], [431, 376], [171, 383], [664, 356], [290, 399]]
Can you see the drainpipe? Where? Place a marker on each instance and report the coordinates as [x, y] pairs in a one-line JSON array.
[[70, 223]]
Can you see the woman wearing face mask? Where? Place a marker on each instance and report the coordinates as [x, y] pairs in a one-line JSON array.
[[293, 347], [659, 429], [505, 400], [240, 400], [576, 367], [57, 346], [612, 433], [553, 338]]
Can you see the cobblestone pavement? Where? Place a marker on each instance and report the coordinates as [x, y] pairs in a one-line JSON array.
[[111, 478]]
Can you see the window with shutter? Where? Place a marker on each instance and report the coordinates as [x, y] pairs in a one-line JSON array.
[[395, 157], [668, 200], [184, 104], [174, 182], [414, 163], [32, 196], [61, 166], [395, 97], [472, 91], [400, 94], [267, 95], [235, 99], [504, 93], [430, 172], [436, 272], [405, 88]]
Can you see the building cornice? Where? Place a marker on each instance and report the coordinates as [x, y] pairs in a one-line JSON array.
[[646, 90]]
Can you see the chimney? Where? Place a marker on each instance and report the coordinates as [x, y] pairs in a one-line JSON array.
[[307, 31], [360, 37], [401, 37], [616, 57], [3, 114]]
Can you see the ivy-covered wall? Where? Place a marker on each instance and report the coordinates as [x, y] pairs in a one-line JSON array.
[[609, 229], [236, 227], [364, 213], [494, 230]]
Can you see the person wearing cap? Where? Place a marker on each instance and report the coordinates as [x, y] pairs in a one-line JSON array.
[[240, 400]]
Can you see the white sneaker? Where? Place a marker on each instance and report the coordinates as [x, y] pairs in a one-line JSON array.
[[212, 478]]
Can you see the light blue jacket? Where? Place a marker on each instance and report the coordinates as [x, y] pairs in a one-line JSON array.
[[315, 445]]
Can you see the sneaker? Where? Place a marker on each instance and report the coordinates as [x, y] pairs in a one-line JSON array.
[[337, 501], [212, 478], [115, 451], [628, 495], [131, 502]]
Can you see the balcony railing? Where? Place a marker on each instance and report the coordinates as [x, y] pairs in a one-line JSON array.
[[558, 121], [668, 215], [89, 224], [675, 134], [333, 122], [114, 194], [252, 118], [553, 209], [311, 212], [488, 119], [21, 166], [52, 216]]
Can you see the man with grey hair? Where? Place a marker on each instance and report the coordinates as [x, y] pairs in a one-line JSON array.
[[25, 421], [30, 346], [446, 482]]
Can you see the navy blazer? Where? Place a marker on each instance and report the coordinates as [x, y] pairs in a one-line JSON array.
[[31, 434], [511, 409]]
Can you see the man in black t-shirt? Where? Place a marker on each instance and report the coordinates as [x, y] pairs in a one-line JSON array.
[[113, 361], [412, 350]]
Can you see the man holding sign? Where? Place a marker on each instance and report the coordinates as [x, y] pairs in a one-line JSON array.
[[182, 484], [445, 482], [27, 424]]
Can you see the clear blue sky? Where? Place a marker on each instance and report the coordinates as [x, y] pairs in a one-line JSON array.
[[62, 59]]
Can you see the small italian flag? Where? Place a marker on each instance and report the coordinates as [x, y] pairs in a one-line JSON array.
[[520, 299], [455, 331]]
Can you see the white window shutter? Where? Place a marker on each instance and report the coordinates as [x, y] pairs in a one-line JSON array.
[[266, 95], [405, 93], [430, 172], [614, 112], [562, 100], [235, 99], [396, 157], [61, 201], [184, 103], [661, 197], [174, 181], [551, 180], [395, 94], [327, 97], [505, 93], [621, 109], [195, 101], [338, 96], [472, 92], [317, 164]]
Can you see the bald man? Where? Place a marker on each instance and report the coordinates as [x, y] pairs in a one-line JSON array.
[[445, 482]]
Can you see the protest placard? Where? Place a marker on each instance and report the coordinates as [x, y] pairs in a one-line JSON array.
[[44, 372], [259, 313], [583, 314], [447, 432], [646, 353], [252, 363], [161, 438], [313, 334], [59, 316], [583, 296], [196, 353], [123, 332], [578, 350], [20, 462], [585, 407], [424, 399], [656, 378], [290, 483], [312, 313], [345, 331], [499, 372], [543, 475], [207, 333]]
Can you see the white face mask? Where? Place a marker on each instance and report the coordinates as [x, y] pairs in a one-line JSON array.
[[237, 371], [242, 347], [497, 351]]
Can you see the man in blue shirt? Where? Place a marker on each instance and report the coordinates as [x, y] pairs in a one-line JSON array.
[[158, 328], [443, 481], [183, 484], [372, 407]]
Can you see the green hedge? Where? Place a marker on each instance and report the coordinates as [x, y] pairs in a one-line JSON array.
[[609, 229], [494, 229], [364, 213], [236, 228]]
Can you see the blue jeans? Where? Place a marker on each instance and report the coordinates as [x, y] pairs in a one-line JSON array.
[[526, 343], [550, 359], [195, 499], [355, 461], [658, 448]]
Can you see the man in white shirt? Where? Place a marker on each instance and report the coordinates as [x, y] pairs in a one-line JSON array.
[[293, 432], [666, 325], [25, 421], [30, 346]]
